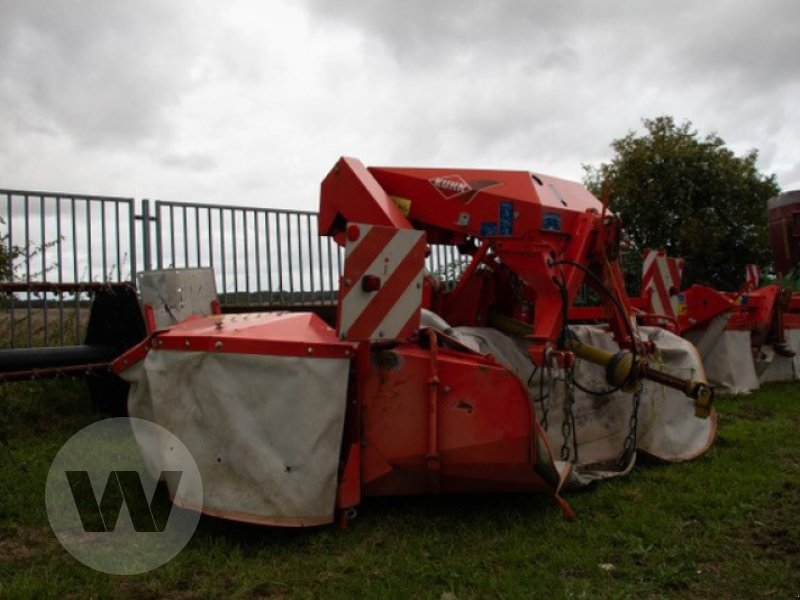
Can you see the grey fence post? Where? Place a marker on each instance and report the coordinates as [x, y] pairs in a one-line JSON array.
[[146, 247], [132, 241], [159, 249]]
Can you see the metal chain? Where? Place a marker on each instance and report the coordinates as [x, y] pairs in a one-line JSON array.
[[568, 425], [630, 441], [544, 423]]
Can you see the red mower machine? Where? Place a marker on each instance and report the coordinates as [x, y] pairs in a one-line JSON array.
[[479, 384], [747, 337]]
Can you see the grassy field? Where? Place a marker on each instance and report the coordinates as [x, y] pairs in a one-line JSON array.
[[39, 327], [724, 526]]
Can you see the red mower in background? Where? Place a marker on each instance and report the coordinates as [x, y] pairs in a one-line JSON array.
[[747, 337]]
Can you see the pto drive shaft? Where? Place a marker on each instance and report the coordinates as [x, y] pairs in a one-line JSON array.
[[623, 372]]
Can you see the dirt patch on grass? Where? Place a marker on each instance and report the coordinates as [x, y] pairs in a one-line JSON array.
[[19, 542], [777, 531], [750, 410], [777, 542], [269, 590]]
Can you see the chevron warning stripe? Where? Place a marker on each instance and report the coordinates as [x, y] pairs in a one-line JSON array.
[[662, 275], [380, 293], [751, 278]]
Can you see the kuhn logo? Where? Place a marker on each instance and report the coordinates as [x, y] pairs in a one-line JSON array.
[[451, 185]]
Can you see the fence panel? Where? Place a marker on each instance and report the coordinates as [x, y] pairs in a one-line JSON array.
[[263, 256], [260, 256], [50, 242]]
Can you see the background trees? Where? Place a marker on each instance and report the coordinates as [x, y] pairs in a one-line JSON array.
[[691, 196], [8, 254]]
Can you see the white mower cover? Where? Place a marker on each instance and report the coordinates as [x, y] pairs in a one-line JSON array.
[[729, 363], [667, 427], [773, 367], [731, 368], [265, 431]]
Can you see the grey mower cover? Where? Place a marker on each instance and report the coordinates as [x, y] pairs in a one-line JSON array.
[[264, 430]]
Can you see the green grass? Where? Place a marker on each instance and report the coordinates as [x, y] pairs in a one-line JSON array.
[[723, 526]]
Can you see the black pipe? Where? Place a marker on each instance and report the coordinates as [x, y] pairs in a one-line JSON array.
[[27, 359]]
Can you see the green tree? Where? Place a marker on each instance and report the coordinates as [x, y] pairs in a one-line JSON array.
[[688, 195]]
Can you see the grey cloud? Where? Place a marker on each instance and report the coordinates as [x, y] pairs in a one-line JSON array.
[[564, 78], [191, 161], [454, 24], [259, 98], [749, 45], [791, 177], [755, 46], [100, 72]]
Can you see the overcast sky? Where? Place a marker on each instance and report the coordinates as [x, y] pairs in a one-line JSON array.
[[251, 102]]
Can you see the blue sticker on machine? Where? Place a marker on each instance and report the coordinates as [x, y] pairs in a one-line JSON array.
[[551, 222], [506, 221], [488, 228]]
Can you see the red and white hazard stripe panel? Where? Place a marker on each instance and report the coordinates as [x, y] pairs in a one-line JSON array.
[[751, 278], [662, 275], [380, 293]]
